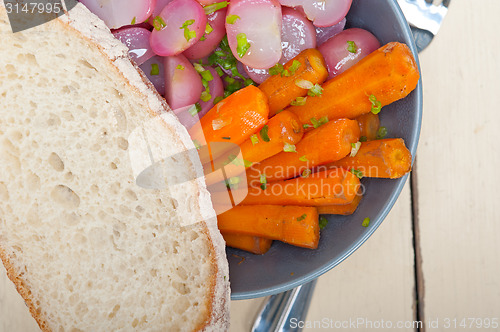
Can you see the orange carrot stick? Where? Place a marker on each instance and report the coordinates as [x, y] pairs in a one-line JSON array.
[[345, 209], [233, 119], [255, 245], [385, 158], [334, 186], [384, 76], [329, 142], [282, 129], [296, 225], [282, 90], [369, 124]]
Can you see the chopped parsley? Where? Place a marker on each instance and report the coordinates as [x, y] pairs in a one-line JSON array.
[[322, 222], [243, 44], [381, 132], [351, 46], [155, 69], [159, 23], [230, 19], [302, 217], [376, 105], [264, 133], [210, 9]]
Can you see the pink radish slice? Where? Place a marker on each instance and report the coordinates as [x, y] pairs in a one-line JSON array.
[[323, 13], [137, 41], [202, 48], [257, 24], [172, 39], [216, 89], [187, 115], [182, 82], [154, 70], [160, 4], [120, 13], [323, 34], [335, 50], [297, 34], [257, 75]]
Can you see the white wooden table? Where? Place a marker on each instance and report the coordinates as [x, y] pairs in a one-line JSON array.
[[452, 211]]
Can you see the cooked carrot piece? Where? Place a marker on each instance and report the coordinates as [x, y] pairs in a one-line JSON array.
[[335, 186], [255, 245], [384, 76], [327, 143], [233, 119], [282, 90], [369, 124], [342, 209], [296, 225], [385, 158], [282, 129]]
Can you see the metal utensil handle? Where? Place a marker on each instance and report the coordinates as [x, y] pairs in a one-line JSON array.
[[277, 312]]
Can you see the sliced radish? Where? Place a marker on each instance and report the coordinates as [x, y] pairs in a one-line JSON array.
[[323, 34], [257, 75], [155, 71], [120, 13], [160, 4], [182, 82], [214, 32], [180, 25], [254, 32], [137, 41], [345, 49], [323, 13], [297, 34]]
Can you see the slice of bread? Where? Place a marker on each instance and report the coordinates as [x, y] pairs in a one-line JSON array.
[[86, 246]]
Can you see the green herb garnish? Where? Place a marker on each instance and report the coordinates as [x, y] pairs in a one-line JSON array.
[[210, 9], [352, 47], [205, 96], [302, 217], [180, 67], [159, 23], [188, 34], [315, 91], [363, 139], [358, 173], [293, 68], [217, 99], [243, 44], [355, 148], [264, 133], [303, 158], [263, 181], [366, 222], [155, 69], [233, 182], [376, 105], [255, 139], [322, 222], [289, 148], [276, 69], [226, 137], [133, 21], [230, 19], [299, 101], [318, 123], [381, 132], [195, 109], [306, 173]]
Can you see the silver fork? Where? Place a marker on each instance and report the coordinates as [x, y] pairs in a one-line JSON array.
[[425, 18]]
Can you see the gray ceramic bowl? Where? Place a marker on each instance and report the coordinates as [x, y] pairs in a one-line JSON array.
[[284, 266]]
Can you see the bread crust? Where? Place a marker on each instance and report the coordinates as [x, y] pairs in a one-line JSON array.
[[86, 25]]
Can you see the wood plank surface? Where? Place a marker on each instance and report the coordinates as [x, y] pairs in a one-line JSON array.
[[376, 283], [457, 168]]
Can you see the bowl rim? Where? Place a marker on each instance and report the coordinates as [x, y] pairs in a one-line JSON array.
[[414, 139]]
